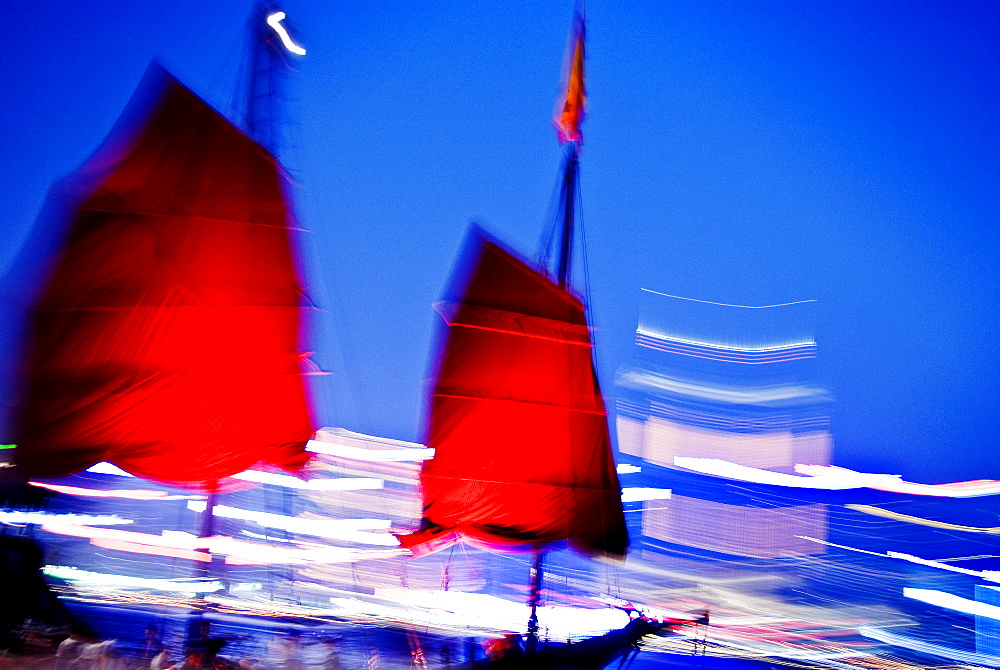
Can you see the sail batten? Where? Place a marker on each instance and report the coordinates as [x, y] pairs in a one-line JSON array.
[[545, 404], [517, 420], [168, 336]]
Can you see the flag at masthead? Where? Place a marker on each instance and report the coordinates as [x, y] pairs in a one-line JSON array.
[[570, 116]]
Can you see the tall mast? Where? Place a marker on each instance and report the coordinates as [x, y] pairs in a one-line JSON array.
[[268, 47], [571, 172], [534, 599], [567, 122], [267, 44]]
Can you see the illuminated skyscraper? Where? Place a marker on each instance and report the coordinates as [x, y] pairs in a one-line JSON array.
[[730, 383], [988, 628]]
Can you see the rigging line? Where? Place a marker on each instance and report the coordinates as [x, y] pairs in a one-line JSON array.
[[724, 304], [588, 304], [546, 241], [704, 644], [629, 656]]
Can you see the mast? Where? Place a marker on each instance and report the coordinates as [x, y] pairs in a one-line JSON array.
[[571, 171], [268, 42], [564, 262], [568, 125], [268, 47], [522, 450], [534, 599]]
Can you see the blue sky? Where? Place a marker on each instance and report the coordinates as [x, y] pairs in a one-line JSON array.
[[740, 152]]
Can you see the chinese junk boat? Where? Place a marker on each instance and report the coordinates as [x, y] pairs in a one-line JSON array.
[[166, 337], [522, 451]]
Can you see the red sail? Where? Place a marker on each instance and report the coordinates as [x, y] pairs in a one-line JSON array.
[[167, 337], [522, 451]]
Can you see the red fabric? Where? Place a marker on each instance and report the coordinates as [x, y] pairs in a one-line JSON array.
[[167, 337], [517, 421]]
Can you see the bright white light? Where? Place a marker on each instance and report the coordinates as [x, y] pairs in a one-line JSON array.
[[174, 539], [483, 611], [236, 551], [720, 468], [775, 348], [984, 574], [287, 481], [768, 395], [626, 469], [835, 479], [359, 454], [274, 20], [895, 484], [953, 602], [99, 580], [130, 494], [643, 493], [318, 484], [15, 517], [269, 608], [105, 468], [347, 530], [253, 553]]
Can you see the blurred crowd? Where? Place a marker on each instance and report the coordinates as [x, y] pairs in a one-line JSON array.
[[45, 648]]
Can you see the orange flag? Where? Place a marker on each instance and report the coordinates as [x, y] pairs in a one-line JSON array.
[[569, 118]]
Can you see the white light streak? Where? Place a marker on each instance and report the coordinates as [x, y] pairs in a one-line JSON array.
[[895, 484], [60, 520], [269, 608], [659, 614], [359, 454], [480, 610], [274, 20], [640, 493], [318, 484], [933, 523], [721, 468], [835, 479], [784, 346], [988, 575], [347, 530], [275, 479], [626, 469], [778, 394], [130, 494], [839, 546], [102, 581], [105, 468], [237, 552], [953, 602]]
